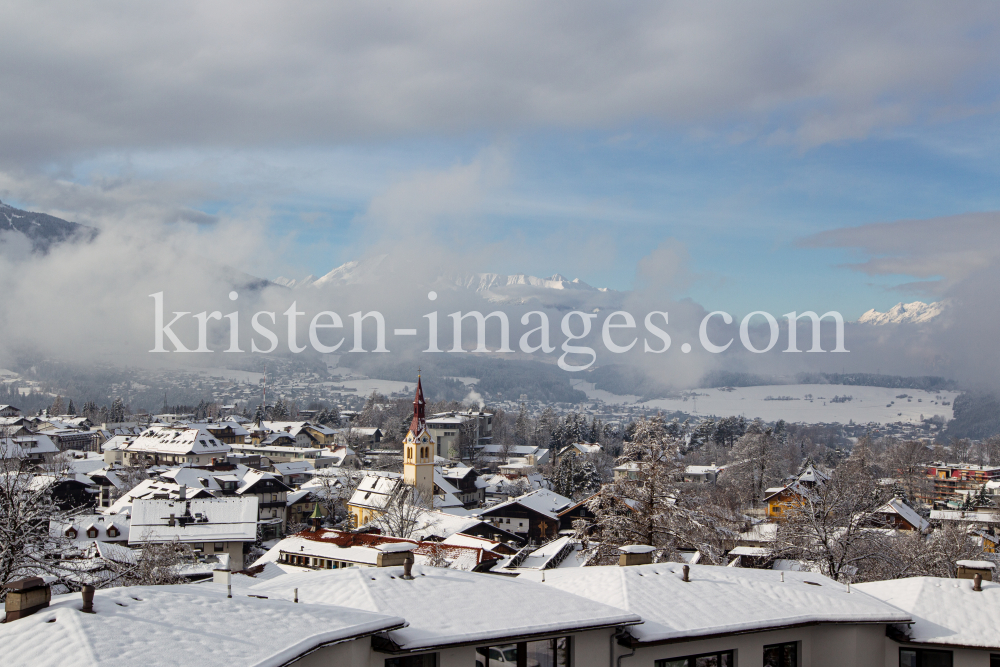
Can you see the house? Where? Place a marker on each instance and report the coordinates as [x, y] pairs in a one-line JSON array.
[[155, 489], [701, 474], [304, 434], [34, 449], [334, 549], [629, 471], [577, 449], [294, 473], [457, 434], [374, 493], [462, 482], [212, 526], [189, 625], [458, 618], [114, 454], [534, 515], [300, 506], [353, 436], [526, 454], [320, 458], [272, 497], [228, 432], [709, 615], [781, 499], [165, 444], [897, 514], [9, 411], [950, 478], [952, 624]]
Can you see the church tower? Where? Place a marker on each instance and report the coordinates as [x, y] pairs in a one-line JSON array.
[[418, 452]]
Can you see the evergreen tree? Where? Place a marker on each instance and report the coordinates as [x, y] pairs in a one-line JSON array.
[[72, 408], [117, 412]]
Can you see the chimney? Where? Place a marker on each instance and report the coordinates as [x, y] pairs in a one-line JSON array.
[[687, 573], [977, 582], [182, 492], [88, 599], [393, 554], [26, 596], [408, 567], [635, 554], [172, 521]]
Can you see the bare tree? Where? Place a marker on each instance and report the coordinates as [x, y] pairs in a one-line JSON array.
[[402, 514], [835, 524], [26, 508]]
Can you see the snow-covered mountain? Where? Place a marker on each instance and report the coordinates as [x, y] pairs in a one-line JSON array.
[[42, 230], [491, 286], [905, 313]]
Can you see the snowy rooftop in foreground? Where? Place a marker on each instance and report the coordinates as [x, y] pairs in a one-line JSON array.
[[445, 606], [718, 599], [944, 611], [175, 625]]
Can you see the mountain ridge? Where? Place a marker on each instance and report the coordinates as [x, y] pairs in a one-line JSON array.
[[916, 312], [41, 229]]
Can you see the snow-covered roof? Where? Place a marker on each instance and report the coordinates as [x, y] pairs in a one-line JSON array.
[[91, 522], [24, 446], [151, 488], [211, 520], [441, 525], [446, 606], [944, 611], [117, 442], [542, 501], [960, 515], [169, 440], [180, 625], [750, 551], [897, 506], [977, 564], [761, 532], [375, 490], [294, 467], [718, 599]]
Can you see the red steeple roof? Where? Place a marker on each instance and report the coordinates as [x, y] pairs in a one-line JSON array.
[[417, 425]]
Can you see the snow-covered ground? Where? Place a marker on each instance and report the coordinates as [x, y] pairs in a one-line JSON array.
[[812, 404], [809, 403]]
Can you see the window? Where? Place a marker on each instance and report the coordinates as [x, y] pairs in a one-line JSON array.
[[71, 533], [994, 660], [112, 532], [425, 660], [782, 655], [219, 546], [91, 533], [721, 659], [921, 657], [543, 653]]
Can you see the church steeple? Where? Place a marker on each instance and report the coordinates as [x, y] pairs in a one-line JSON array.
[[419, 420], [418, 452]]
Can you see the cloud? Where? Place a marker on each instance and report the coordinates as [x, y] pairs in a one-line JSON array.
[[951, 247], [91, 78]]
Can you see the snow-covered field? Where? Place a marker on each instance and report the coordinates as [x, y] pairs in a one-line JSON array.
[[806, 403]]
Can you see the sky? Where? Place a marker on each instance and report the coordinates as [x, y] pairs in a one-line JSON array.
[[783, 156]]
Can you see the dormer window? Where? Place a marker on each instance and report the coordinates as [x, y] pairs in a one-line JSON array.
[[91, 532], [112, 531], [71, 533]]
